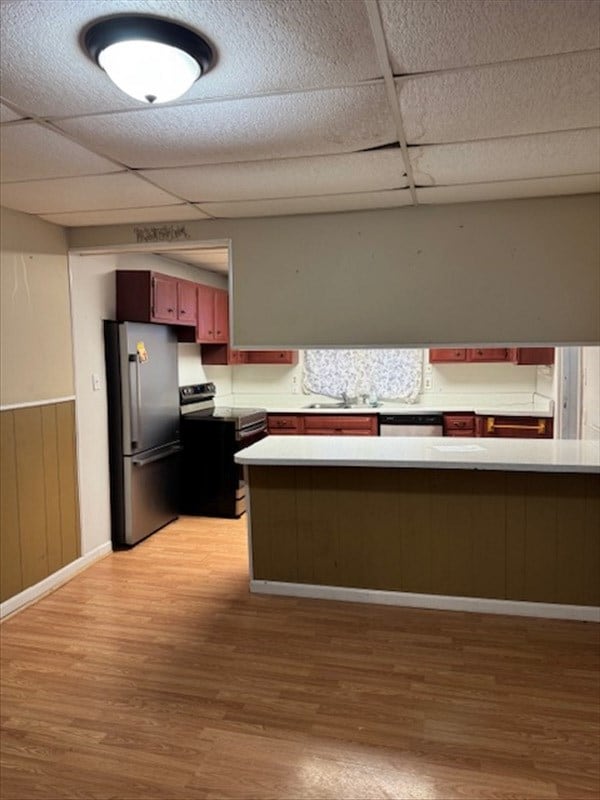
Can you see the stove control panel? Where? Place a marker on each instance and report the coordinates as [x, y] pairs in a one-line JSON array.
[[196, 392]]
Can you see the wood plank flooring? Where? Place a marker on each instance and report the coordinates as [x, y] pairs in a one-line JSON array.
[[155, 674]]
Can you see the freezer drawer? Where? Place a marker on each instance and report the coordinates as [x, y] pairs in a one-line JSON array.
[[150, 492]]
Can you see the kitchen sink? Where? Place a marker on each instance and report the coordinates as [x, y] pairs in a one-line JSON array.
[[328, 405], [340, 404]]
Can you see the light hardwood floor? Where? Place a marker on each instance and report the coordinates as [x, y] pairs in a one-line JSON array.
[[155, 674]]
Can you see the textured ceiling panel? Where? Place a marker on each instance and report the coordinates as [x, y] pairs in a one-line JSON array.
[[120, 190], [309, 205], [262, 45], [290, 177], [545, 154], [312, 123], [122, 216], [7, 114], [424, 35], [524, 97], [32, 151], [505, 190]]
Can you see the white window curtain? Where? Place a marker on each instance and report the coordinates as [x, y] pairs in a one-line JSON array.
[[386, 374]]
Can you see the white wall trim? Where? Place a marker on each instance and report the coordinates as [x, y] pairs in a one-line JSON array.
[[33, 403], [441, 602], [38, 590]]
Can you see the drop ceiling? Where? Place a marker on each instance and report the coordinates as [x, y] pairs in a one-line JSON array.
[[312, 106]]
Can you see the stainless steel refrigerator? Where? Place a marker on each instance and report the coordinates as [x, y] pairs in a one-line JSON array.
[[143, 416]]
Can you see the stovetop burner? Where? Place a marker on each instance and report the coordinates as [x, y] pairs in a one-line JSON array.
[[197, 403]]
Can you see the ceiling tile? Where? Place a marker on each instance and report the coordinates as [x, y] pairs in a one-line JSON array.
[[7, 114], [309, 205], [439, 34], [120, 190], [290, 177], [279, 126], [31, 151], [178, 213], [504, 190], [523, 97], [262, 46], [545, 154]]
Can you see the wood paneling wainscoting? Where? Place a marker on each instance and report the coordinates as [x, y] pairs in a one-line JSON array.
[[39, 524], [516, 536]]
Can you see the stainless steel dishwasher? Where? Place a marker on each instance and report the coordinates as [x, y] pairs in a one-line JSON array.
[[411, 425]]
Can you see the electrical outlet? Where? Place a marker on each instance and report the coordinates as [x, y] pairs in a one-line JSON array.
[[295, 385], [95, 382], [428, 383]]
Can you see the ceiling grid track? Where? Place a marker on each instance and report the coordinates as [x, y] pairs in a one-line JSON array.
[[374, 15]]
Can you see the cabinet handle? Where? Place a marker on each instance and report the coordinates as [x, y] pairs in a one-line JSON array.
[[210, 333], [182, 310], [539, 427], [170, 310], [218, 333]]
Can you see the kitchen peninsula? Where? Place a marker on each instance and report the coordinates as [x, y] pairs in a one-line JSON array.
[[504, 526]]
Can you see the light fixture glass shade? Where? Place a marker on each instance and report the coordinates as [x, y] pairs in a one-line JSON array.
[[149, 71]]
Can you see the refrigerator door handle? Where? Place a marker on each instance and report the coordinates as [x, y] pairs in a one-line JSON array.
[[135, 410], [141, 462]]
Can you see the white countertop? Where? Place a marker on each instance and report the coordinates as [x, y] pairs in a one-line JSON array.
[[538, 406], [524, 455]]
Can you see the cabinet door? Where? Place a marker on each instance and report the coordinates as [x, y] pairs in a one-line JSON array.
[[533, 355], [488, 354], [272, 357], [237, 356], [164, 299], [187, 308], [205, 328], [290, 424], [221, 315], [445, 355]]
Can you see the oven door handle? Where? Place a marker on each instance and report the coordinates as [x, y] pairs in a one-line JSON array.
[[251, 430]]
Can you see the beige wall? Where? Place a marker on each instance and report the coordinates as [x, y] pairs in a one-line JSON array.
[[36, 347], [504, 272]]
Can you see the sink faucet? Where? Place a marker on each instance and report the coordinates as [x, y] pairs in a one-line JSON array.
[[347, 400]]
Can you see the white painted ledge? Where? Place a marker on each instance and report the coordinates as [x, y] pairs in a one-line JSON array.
[[440, 602], [33, 403], [38, 590]]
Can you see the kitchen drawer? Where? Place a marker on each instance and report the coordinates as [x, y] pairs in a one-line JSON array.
[[338, 432], [285, 423], [515, 427], [459, 424], [340, 424]]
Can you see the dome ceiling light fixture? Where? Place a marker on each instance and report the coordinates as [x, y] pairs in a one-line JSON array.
[[150, 59]]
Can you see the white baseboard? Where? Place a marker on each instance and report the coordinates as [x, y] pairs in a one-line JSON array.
[[53, 581], [441, 602]]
